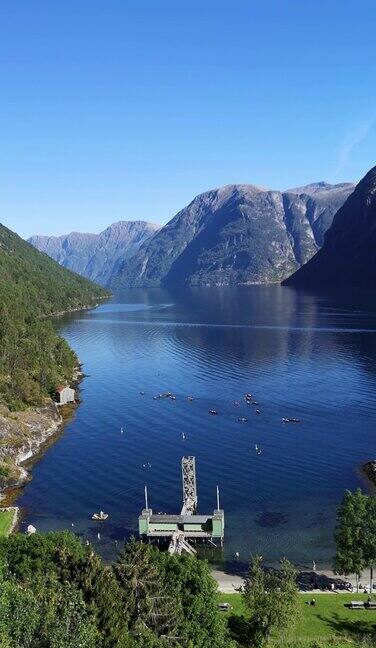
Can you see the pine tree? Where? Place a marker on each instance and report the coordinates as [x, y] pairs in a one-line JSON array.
[[150, 608]]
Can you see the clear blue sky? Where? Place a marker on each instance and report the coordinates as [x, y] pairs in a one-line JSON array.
[[117, 109]]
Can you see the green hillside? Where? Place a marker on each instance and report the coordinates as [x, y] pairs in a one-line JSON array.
[[33, 359]]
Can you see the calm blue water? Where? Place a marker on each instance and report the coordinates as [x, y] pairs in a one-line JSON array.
[[299, 355]]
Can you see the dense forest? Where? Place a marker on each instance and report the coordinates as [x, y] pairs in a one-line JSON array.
[[55, 591], [33, 359]]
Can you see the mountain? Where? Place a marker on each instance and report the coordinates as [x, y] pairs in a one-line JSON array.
[[347, 257], [33, 359], [237, 234], [96, 256]]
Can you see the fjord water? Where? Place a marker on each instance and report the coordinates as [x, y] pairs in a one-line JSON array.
[[300, 355]]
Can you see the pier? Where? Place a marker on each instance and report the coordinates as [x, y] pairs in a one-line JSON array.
[[187, 525]]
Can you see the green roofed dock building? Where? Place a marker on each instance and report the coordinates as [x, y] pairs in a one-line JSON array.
[[181, 529]]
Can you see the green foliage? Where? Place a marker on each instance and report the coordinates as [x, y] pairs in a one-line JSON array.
[[33, 359], [191, 579], [56, 592], [151, 608], [67, 560], [49, 615], [271, 598], [355, 544]]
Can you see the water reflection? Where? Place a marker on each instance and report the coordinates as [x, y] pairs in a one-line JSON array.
[[300, 355]]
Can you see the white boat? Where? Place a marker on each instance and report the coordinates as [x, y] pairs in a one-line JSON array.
[[99, 516]]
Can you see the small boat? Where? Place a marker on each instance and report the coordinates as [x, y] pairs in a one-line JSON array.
[[255, 403], [183, 435], [290, 420], [172, 397], [142, 393], [248, 397], [99, 517], [190, 398], [242, 419], [213, 412], [236, 403], [30, 529], [258, 411]]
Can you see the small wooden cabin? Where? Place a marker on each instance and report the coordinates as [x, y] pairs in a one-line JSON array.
[[64, 395]]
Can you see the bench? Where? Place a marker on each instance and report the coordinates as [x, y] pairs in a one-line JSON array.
[[356, 605], [224, 606]]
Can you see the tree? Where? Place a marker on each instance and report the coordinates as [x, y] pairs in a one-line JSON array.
[[350, 535], [271, 597], [19, 615], [63, 558], [150, 607], [201, 624], [369, 537]]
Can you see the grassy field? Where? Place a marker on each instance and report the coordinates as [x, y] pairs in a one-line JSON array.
[[6, 519], [328, 618]]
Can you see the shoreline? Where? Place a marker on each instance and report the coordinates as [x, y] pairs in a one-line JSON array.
[[309, 581], [27, 435]]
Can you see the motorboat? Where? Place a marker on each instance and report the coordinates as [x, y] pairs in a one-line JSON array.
[[99, 517]]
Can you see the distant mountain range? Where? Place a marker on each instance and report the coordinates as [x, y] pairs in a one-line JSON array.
[[348, 256], [97, 256], [237, 234]]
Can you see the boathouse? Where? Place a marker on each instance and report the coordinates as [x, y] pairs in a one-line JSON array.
[[64, 395]]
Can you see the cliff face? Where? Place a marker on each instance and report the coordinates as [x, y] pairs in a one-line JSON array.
[[237, 234], [348, 254], [21, 436], [96, 256]]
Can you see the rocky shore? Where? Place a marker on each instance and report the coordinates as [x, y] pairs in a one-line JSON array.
[[21, 436], [24, 434], [369, 469]]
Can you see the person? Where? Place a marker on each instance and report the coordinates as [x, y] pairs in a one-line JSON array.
[[313, 565], [236, 555]]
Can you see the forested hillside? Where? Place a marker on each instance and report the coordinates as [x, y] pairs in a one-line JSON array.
[[33, 359]]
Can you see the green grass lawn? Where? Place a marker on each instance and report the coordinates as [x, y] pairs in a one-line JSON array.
[[327, 619], [6, 519]]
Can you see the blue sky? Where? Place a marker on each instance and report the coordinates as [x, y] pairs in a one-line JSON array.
[[122, 110]]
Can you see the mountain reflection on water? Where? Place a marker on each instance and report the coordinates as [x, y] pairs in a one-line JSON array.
[[300, 355]]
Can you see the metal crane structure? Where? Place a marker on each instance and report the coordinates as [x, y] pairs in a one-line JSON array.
[[177, 529], [188, 472]]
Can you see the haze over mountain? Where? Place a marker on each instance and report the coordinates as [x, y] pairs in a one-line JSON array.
[[347, 257], [236, 234], [96, 256]]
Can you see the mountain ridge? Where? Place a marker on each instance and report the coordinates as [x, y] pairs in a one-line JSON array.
[[236, 234], [347, 256], [96, 256]]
